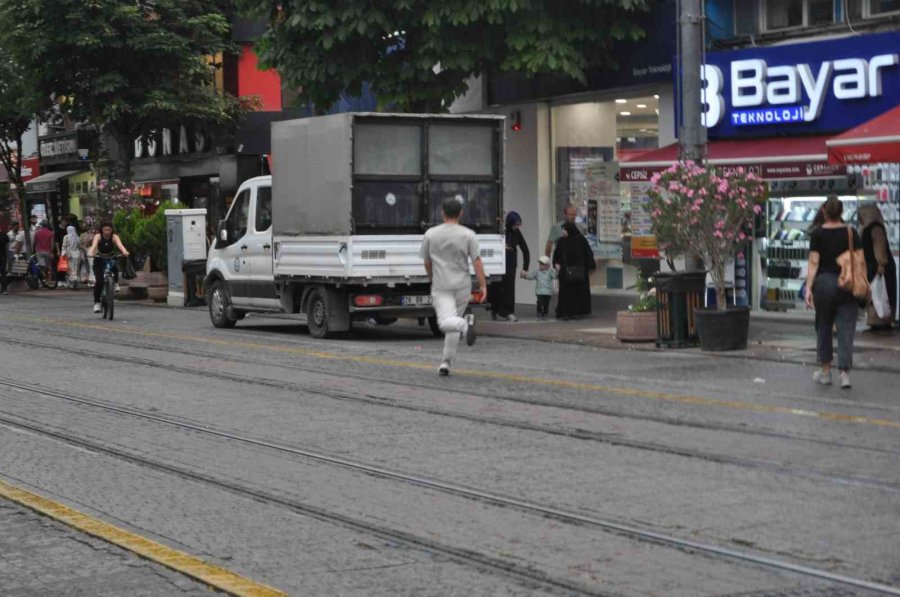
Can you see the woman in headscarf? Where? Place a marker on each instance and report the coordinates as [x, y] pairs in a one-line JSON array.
[[879, 260], [574, 260], [502, 295], [71, 249]]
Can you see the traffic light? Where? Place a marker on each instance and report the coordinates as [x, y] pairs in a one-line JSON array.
[[516, 119]]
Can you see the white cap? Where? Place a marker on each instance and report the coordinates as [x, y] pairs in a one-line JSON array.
[[544, 259]]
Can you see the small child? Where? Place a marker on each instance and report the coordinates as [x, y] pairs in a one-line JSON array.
[[544, 289]]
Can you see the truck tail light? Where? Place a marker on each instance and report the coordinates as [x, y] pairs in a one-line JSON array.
[[368, 300]]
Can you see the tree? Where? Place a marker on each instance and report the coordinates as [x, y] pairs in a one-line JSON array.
[[19, 103], [128, 66], [418, 54]]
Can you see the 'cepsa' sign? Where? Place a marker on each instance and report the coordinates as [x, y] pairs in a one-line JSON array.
[[814, 87]]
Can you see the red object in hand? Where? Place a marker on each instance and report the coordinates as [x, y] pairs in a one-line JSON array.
[[477, 297]]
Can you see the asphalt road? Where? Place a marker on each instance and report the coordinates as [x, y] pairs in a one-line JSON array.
[[349, 467]]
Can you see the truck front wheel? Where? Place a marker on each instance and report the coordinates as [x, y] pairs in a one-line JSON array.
[[218, 305]]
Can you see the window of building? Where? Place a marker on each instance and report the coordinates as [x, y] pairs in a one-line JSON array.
[[854, 10], [753, 16], [784, 14], [746, 17], [881, 7], [820, 12]]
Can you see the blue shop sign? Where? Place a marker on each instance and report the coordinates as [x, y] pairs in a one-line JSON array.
[[816, 87]]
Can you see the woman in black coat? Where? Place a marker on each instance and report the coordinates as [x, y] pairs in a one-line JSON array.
[[574, 260], [502, 295]]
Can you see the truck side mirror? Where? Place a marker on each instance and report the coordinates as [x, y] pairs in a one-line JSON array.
[[223, 231]]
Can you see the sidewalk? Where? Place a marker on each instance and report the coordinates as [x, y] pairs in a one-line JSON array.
[[780, 337]]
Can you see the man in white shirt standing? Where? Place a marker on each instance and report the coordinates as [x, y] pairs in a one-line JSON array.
[[447, 250]]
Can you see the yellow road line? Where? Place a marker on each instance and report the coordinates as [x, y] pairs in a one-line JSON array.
[[207, 573], [482, 374]]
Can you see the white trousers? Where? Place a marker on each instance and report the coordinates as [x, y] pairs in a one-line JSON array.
[[449, 306]]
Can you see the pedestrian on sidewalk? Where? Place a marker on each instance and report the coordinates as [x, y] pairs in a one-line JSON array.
[[879, 262], [502, 295], [71, 250], [556, 232], [833, 304], [87, 263], [574, 260], [447, 250], [43, 245], [543, 290]]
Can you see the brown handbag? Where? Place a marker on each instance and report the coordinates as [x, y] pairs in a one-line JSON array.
[[853, 277]]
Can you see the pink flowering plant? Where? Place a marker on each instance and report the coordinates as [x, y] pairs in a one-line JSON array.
[[704, 210], [110, 197]]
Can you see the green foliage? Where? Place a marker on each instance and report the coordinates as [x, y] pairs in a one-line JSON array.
[[646, 297], [19, 103], [145, 234], [128, 66], [418, 54]]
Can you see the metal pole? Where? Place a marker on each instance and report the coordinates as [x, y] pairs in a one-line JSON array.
[[692, 133], [692, 137]]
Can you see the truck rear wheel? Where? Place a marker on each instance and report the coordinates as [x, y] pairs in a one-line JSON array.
[[317, 315], [219, 304]]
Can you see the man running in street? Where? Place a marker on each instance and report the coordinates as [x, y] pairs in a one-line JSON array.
[[447, 250]]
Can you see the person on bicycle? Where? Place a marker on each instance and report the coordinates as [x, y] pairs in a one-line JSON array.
[[103, 249]]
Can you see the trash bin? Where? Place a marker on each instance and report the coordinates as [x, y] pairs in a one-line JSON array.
[[194, 272], [677, 295]]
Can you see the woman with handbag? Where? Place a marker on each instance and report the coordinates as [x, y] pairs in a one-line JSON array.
[[71, 251], [828, 293], [879, 262], [574, 260]]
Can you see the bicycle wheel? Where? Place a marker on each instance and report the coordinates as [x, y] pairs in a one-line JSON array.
[[110, 285], [47, 278]]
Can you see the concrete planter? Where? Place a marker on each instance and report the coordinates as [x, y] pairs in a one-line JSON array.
[[634, 326]]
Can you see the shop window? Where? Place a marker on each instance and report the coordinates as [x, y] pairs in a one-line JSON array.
[[746, 17], [387, 150], [460, 150], [854, 10]]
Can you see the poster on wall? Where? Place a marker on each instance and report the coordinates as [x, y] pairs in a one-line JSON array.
[[602, 209], [643, 243]]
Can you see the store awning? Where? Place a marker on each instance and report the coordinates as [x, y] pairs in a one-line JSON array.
[[49, 182], [877, 140], [770, 158]]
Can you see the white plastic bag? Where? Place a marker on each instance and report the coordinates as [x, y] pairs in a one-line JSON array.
[[880, 297]]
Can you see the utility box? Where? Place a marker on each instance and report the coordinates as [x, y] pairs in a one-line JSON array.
[[185, 241]]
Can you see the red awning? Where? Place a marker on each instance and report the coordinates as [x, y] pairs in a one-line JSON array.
[[770, 158], [743, 151], [877, 140]]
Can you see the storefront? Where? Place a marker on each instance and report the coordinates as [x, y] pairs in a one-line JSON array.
[[192, 167], [564, 140], [63, 155], [772, 110]]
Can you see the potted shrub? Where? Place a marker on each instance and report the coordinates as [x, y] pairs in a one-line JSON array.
[[708, 212], [638, 323]]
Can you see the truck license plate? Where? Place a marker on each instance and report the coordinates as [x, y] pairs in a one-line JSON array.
[[415, 299]]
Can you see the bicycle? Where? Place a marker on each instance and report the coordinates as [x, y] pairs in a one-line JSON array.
[[108, 290], [39, 275]]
